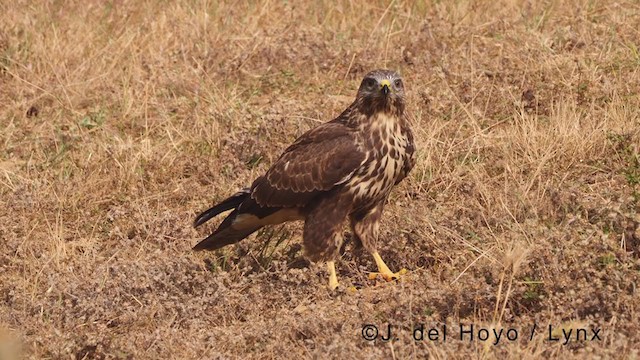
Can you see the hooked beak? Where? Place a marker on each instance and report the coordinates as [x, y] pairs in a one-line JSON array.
[[385, 87]]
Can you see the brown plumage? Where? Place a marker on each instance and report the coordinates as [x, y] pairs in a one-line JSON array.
[[340, 171]]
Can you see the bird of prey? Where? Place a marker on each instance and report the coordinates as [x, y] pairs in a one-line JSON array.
[[340, 171]]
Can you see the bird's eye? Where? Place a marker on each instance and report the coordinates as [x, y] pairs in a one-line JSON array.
[[398, 83], [369, 82]]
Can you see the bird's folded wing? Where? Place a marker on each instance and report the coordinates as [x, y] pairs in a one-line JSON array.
[[319, 160]]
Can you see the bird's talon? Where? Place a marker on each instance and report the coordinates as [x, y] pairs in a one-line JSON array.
[[384, 271], [388, 276]]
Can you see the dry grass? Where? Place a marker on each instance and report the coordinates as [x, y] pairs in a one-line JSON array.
[[120, 120]]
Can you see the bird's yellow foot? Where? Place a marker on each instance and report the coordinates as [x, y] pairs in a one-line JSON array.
[[383, 270], [390, 276], [333, 278]]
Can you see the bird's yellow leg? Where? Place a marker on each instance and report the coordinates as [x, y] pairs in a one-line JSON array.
[[384, 271], [333, 279]]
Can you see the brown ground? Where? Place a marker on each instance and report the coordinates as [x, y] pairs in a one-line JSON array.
[[120, 121]]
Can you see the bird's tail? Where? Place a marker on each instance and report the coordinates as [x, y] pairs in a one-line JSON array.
[[232, 202], [234, 227]]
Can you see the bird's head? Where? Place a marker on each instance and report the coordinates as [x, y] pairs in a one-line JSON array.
[[381, 90]]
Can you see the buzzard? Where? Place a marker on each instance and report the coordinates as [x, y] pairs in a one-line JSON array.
[[340, 171]]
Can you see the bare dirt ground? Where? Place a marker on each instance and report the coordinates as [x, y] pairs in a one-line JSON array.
[[121, 120]]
